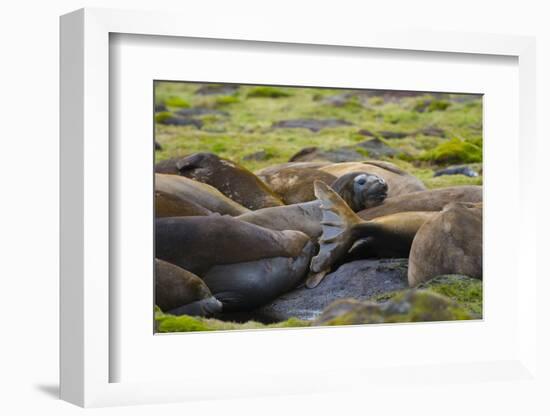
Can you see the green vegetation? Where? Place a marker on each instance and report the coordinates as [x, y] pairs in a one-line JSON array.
[[175, 101], [267, 92], [452, 152], [467, 292], [253, 110], [162, 116], [184, 323]]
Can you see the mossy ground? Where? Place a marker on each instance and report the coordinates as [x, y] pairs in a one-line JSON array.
[[253, 110]]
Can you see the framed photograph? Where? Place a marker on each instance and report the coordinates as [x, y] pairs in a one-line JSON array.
[[280, 213]]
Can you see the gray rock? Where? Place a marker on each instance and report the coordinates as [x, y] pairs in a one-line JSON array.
[[310, 124], [179, 121], [343, 154], [457, 170], [213, 89], [360, 280], [377, 148], [393, 134], [200, 111]]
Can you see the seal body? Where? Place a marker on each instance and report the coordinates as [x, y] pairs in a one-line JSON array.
[[399, 182], [271, 170], [448, 243], [170, 205], [357, 189], [178, 291], [429, 200], [295, 185], [196, 193], [243, 265], [234, 181]]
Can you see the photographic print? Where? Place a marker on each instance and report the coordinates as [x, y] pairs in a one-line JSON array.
[[284, 206]]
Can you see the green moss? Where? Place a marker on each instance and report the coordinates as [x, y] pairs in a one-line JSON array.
[[376, 101], [267, 92], [225, 100], [175, 101], [185, 323], [429, 105], [218, 147], [465, 291], [411, 305], [162, 116], [363, 152], [453, 151]]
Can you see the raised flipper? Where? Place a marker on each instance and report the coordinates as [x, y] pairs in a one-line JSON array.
[[338, 222]]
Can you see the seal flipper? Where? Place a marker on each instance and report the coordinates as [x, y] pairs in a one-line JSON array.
[[338, 222]]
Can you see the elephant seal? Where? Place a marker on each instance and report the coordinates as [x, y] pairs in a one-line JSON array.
[[429, 200], [399, 181], [232, 180], [295, 185], [244, 265], [391, 235], [197, 193], [271, 170], [448, 243], [358, 191], [179, 292], [170, 205]]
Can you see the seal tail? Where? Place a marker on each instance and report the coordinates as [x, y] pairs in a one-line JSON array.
[[337, 222]]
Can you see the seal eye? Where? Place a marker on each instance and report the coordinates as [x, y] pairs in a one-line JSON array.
[[361, 180]]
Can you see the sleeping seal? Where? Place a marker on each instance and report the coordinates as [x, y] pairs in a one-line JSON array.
[[429, 200], [358, 190], [232, 180], [244, 265], [178, 292], [399, 181], [448, 243], [190, 192]]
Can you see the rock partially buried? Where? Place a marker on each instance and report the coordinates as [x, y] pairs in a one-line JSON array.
[[342, 154], [361, 280], [457, 170], [377, 148], [201, 111], [393, 134], [409, 306], [217, 89], [311, 124], [180, 121]]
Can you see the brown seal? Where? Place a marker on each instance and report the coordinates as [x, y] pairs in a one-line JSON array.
[[178, 292], [391, 235], [195, 193], [244, 265], [295, 185], [273, 169], [358, 190], [170, 205], [448, 243], [399, 181], [234, 181], [430, 200]]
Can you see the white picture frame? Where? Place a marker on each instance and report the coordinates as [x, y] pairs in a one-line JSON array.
[[86, 305]]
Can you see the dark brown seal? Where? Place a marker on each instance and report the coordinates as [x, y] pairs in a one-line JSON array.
[[231, 179], [244, 265], [170, 205], [190, 192], [178, 292]]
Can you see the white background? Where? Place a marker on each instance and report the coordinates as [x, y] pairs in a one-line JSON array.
[[29, 225]]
